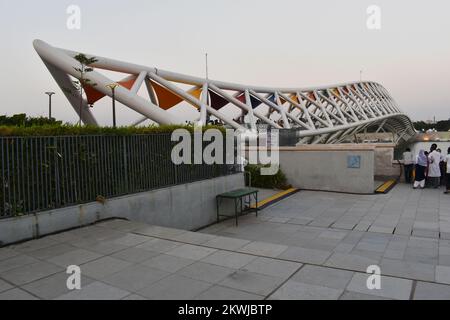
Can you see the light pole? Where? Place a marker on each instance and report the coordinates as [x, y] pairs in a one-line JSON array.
[[49, 93], [113, 87]]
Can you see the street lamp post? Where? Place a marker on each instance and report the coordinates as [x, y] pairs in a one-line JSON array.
[[49, 103], [113, 87]]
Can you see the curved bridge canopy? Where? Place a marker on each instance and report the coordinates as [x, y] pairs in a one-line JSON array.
[[328, 114]]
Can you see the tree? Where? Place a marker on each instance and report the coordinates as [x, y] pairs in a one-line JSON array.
[[84, 68]]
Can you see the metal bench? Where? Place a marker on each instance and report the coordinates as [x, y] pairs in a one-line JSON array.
[[242, 200]]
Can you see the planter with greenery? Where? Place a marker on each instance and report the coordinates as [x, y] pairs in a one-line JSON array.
[[277, 181]]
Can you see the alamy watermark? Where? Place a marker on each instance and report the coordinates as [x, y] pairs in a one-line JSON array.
[[233, 147], [373, 21], [373, 282], [73, 21], [74, 280]]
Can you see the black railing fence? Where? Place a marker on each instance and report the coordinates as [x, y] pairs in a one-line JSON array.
[[42, 173]]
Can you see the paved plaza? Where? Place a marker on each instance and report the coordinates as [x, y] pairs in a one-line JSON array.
[[312, 245]]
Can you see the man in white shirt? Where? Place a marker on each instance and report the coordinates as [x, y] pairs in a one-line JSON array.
[[434, 172], [447, 175], [408, 163]]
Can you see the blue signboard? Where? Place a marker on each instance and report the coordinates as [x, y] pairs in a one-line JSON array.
[[353, 162]]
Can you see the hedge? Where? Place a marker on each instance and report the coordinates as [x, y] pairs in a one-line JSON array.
[[74, 130]]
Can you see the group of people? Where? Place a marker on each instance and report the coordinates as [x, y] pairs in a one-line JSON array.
[[432, 168]]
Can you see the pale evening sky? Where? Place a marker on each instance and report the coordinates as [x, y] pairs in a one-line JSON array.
[[291, 43]]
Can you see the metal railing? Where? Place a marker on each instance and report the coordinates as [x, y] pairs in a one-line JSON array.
[[43, 173]]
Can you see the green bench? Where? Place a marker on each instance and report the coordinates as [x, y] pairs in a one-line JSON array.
[[242, 200]]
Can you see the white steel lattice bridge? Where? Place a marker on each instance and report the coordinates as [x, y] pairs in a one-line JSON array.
[[328, 114]]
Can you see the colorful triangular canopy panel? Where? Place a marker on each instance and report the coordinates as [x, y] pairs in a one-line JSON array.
[[95, 95], [217, 102]]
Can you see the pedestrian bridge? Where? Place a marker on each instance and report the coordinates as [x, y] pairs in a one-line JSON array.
[[328, 114]]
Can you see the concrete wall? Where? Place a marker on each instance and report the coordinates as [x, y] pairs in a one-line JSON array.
[[189, 207], [324, 167], [385, 165]]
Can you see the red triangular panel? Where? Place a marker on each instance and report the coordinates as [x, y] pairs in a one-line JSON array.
[[92, 94]]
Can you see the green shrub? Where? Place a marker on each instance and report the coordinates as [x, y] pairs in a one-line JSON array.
[[276, 181], [21, 120], [74, 130]]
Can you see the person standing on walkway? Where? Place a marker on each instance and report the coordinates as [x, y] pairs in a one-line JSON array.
[[421, 167], [408, 163], [447, 175], [434, 172], [442, 167]]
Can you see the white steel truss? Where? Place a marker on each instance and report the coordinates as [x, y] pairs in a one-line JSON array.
[[328, 114]]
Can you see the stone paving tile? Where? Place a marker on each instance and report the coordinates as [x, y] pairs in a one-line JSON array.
[[15, 262], [272, 267], [393, 288], [348, 295], [300, 220], [100, 268], [194, 238], [135, 255], [30, 272], [134, 297], [53, 286], [105, 247], [444, 260], [229, 259], [131, 240], [122, 225], [431, 291], [206, 272], [350, 262], [159, 245], [161, 232], [263, 249], [374, 255], [48, 252], [293, 290], [168, 263], [6, 253], [34, 245], [74, 257], [135, 277], [174, 287], [226, 243], [5, 285], [16, 294], [305, 255], [95, 291], [189, 251], [381, 229], [64, 237], [323, 276], [406, 269], [217, 292], [443, 274], [252, 282]]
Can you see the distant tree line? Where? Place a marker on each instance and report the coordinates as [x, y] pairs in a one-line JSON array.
[[22, 120], [443, 125]]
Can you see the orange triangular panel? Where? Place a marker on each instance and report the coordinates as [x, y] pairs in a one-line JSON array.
[[294, 98], [128, 84], [92, 94], [166, 99], [195, 92]]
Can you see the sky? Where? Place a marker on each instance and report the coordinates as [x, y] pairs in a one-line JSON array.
[[282, 43]]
